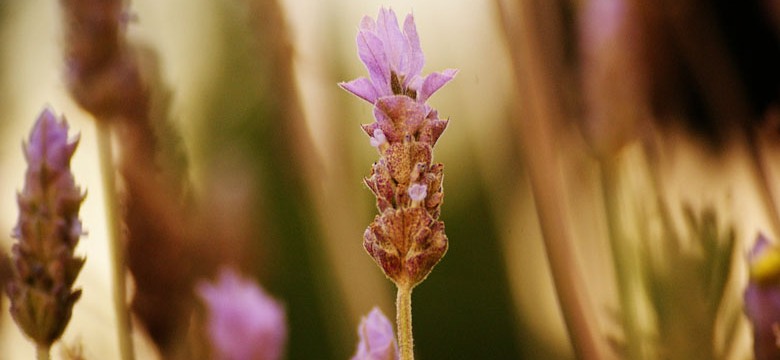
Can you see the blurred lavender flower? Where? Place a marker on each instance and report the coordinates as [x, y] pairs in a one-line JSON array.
[[244, 322], [394, 60], [377, 341], [47, 232], [762, 298], [101, 69]]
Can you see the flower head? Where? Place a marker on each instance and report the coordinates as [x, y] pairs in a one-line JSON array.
[[377, 341], [394, 60], [762, 298], [243, 321], [47, 232], [406, 239]]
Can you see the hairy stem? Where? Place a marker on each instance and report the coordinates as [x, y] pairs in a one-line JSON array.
[[114, 242], [403, 306]]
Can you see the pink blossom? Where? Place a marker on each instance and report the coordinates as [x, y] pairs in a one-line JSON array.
[[243, 321], [394, 60], [377, 341]]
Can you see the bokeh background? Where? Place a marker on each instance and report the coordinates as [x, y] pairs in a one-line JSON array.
[[290, 186]]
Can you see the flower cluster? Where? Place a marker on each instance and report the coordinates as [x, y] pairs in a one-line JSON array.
[[244, 322], [405, 239], [47, 232], [762, 298]]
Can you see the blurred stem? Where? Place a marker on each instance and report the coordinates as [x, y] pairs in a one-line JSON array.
[[403, 310], [116, 249], [625, 270], [42, 352], [535, 72]]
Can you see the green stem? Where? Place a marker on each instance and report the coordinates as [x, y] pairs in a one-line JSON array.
[[622, 260], [42, 352], [403, 309], [112, 223]]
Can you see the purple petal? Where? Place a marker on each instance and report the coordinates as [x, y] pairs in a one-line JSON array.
[[361, 87], [368, 24], [394, 41], [372, 52], [434, 82], [415, 56]]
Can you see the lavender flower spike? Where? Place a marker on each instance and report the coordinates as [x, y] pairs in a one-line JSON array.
[[243, 321], [47, 232], [762, 298], [406, 239], [377, 341], [394, 60]]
